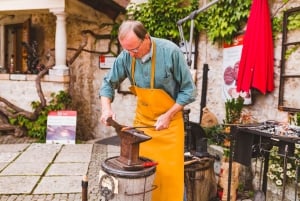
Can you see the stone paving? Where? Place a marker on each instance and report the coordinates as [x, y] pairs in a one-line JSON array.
[[51, 171]]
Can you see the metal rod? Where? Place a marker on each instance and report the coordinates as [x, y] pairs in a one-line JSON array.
[[232, 136], [194, 13], [204, 90], [134, 127], [297, 175], [187, 130], [191, 16], [189, 60], [284, 171]]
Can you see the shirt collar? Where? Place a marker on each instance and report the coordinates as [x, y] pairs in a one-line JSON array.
[[147, 57]]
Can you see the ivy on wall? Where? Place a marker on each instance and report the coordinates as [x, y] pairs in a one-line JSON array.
[[226, 19], [160, 16], [222, 21]]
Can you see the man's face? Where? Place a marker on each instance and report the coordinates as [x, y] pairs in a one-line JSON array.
[[133, 45]]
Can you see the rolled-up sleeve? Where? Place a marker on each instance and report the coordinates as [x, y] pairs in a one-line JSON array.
[[187, 90], [114, 77]]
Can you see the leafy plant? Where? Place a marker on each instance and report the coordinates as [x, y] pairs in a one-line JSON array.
[[294, 21], [38, 128], [233, 110], [222, 21], [215, 135], [297, 118], [160, 16], [226, 19]]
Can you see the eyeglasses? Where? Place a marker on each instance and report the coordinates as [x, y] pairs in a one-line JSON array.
[[135, 50]]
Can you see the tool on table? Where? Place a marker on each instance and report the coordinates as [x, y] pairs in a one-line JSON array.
[[130, 140]]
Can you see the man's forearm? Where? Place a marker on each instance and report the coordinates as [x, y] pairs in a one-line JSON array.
[[174, 109], [106, 110], [105, 104]]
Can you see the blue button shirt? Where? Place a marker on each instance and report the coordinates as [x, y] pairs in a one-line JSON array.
[[171, 73]]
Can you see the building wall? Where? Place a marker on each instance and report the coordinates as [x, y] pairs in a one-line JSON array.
[[264, 106]]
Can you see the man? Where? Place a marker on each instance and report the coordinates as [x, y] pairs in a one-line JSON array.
[[163, 84]]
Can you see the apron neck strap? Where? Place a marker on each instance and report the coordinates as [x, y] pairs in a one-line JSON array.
[[153, 59]]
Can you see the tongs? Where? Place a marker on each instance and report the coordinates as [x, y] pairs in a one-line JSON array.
[[120, 127]]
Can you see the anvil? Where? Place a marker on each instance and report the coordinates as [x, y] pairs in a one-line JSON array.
[[130, 143]]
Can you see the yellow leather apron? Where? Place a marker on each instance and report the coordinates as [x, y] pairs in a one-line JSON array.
[[166, 146]]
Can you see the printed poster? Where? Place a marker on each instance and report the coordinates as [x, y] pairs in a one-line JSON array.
[[231, 58], [61, 127]]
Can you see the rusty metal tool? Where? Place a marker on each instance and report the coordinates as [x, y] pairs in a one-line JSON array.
[[118, 126], [136, 127], [130, 140]]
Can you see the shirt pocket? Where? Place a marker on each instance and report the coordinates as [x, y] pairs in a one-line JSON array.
[[165, 78]]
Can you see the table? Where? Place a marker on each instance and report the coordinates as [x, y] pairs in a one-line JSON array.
[[249, 141]]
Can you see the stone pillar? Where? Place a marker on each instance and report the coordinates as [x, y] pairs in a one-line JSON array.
[[60, 67]]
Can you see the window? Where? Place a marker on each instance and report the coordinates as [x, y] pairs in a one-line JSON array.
[[289, 99], [14, 34]]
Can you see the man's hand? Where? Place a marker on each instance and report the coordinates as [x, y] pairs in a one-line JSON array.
[[106, 110], [162, 122], [105, 115]]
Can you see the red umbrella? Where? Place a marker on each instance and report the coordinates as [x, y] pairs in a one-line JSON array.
[[256, 66]]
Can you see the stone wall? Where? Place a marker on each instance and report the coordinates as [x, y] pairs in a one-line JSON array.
[[264, 107], [21, 90]]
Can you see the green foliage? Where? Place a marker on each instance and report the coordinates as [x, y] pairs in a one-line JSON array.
[[160, 16], [297, 118], [277, 25], [226, 19], [290, 50], [221, 21], [215, 134], [233, 110], [38, 128], [294, 21]]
